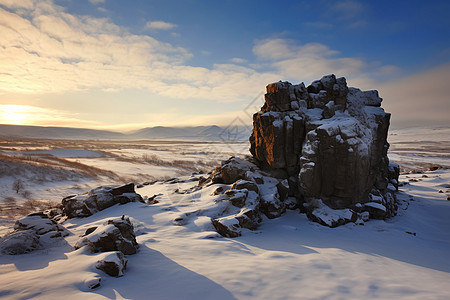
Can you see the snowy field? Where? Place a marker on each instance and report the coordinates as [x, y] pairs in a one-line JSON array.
[[181, 256]]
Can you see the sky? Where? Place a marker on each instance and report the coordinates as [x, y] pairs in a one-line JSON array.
[[125, 65]]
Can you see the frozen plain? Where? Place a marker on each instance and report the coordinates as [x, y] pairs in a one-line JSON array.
[[286, 258]]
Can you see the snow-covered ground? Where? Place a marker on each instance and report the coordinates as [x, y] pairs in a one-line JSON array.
[[182, 257]]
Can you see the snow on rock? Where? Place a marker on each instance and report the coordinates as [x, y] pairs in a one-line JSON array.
[[41, 224], [113, 235], [20, 242], [98, 199], [327, 216], [112, 263], [334, 149], [32, 232], [93, 282]]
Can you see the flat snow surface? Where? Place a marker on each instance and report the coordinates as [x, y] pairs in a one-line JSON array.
[[182, 257]]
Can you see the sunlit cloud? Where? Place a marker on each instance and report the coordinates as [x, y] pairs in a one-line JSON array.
[[313, 60], [28, 4]]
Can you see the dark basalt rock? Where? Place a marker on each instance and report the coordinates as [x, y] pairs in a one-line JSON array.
[[20, 242], [84, 205], [113, 264], [322, 148], [329, 141], [115, 235]]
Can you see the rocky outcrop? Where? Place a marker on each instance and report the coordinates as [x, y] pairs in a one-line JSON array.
[[98, 199], [114, 235], [330, 142], [252, 194], [322, 148]]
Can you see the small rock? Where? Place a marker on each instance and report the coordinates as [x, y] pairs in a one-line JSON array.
[[93, 282], [113, 264], [228, 226], [376, 210]]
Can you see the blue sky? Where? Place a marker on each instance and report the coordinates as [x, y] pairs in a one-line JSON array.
[[128, 64]]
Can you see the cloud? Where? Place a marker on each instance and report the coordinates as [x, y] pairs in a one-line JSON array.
[[311, 61], [160, 25], [319, 25], [238, 60], [96, 2], [348, 9], [418, 100], [27, 4], [47, 50]]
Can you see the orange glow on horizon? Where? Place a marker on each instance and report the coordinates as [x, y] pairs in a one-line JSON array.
[[15, 114]]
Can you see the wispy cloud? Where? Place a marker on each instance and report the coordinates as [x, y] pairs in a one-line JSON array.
[[96, 2], [160, 25], [418, 100], [28, 4], [348, 9], [319, 25], [238, 60]]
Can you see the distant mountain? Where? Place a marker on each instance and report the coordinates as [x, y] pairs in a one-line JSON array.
[[201, 133], [58, 133], [197, 133]]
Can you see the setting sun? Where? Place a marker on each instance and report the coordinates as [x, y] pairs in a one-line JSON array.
[[14, 114]]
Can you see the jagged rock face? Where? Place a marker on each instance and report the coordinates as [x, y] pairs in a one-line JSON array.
[[329, 141]]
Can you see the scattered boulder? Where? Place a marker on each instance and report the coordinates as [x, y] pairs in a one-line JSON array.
[[114, 235], [231, 170], [113, 264], [228, 226], [20, 242], [84, 205], [27, 234], [41, 224], [93, 282]]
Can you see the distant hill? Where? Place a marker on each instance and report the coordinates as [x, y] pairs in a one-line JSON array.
[[199, 133], [58, 133], [202, 133]]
